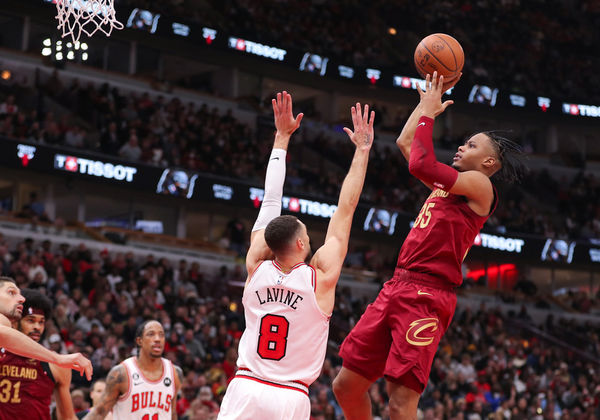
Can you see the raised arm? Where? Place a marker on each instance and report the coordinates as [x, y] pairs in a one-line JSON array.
[[117, 384], [18, 343], [328, 259], [286, 124], [407, 135], [472, 184], [405, 139]]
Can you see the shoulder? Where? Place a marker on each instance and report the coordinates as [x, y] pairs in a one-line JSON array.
[[118, 378], [4, 321]]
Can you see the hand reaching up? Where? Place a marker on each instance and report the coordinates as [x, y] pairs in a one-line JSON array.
[[363, 134], [285, 122]]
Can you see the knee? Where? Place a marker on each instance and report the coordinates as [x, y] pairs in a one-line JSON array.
[[340, 388], [345, 389], [401, 409]]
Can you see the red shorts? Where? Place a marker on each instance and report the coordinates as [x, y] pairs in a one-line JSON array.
[[399, 333]]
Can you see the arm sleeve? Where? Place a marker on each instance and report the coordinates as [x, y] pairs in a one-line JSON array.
[[422, 162], [274, 179]]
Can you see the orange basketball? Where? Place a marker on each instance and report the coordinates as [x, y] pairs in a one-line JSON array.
[[441, 53]]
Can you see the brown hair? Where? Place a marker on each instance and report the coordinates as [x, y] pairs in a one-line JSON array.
[[280, 231]]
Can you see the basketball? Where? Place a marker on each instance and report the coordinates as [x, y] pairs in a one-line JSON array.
[[441, 53]]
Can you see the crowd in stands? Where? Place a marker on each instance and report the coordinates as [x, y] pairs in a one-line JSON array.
[[157, 131], [539, 46], [489, 365]]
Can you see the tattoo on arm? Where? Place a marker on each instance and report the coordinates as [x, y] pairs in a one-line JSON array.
[[114, 381], [179, 374]]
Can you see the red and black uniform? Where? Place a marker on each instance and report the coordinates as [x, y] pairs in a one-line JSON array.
[[399, 333], [26, 387]]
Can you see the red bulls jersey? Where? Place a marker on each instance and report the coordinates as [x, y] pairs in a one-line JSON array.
[[441, 236], [26, 387]]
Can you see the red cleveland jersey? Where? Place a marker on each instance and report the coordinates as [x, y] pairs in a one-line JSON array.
[[441, 236], [26, 387]]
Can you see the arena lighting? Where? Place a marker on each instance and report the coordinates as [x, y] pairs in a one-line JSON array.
[[60, 50], [492, 271], [5, 74], [392, 31]]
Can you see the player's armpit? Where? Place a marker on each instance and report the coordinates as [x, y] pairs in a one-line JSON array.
[[116, 384], [477, 188]]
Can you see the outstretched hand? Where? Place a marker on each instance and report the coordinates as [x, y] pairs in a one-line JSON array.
[[285, 122], [362, 136], [431, 100], [78, 362]]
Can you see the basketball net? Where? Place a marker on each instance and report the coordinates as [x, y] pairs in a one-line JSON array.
[[87, 16]]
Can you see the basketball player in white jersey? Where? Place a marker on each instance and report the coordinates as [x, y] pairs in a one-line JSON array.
[[287, 303], [143, 387]]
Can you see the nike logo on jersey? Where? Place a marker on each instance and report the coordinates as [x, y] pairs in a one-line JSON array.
[[422, 293], [420, 124], [275, 158]]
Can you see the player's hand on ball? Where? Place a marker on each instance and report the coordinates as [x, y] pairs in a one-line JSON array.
[[431, 100], [362, 136], [78, 362], [285, 122]]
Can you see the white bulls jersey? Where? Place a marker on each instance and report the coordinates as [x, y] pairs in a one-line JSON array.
[[286, 332], [146, 399]]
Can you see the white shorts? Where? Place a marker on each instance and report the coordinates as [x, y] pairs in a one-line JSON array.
[[251, 399]]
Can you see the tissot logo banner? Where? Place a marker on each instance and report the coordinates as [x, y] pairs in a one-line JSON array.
[[499, 243], [296, 205], [96, 168], [257, 49], [583, 110], [406, 82]]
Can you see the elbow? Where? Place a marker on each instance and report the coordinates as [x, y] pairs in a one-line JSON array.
[[415, 167]]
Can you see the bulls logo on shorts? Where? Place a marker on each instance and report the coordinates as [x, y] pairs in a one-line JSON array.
[[421, 332]]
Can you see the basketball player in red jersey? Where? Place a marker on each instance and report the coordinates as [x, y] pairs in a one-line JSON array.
[[11, 307], [143, 387], [398, 334], [27, 385]]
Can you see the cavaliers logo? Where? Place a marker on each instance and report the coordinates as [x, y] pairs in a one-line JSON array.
[[419, 331], [167, 381]]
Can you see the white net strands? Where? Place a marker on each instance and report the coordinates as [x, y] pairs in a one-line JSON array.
[[86, 16]]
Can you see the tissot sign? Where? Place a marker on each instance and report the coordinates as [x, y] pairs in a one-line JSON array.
[[96, 168], [297, 205], [499, 243]]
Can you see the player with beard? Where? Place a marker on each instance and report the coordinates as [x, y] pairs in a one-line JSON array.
[[11, 308], [30, 383], [143, 387]]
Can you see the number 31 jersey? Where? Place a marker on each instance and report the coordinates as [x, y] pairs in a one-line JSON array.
[[286, 332]]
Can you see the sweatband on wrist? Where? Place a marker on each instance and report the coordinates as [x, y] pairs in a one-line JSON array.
[[274, 180], [423, 163]]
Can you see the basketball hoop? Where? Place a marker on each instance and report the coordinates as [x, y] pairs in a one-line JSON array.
[[87, 16]]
